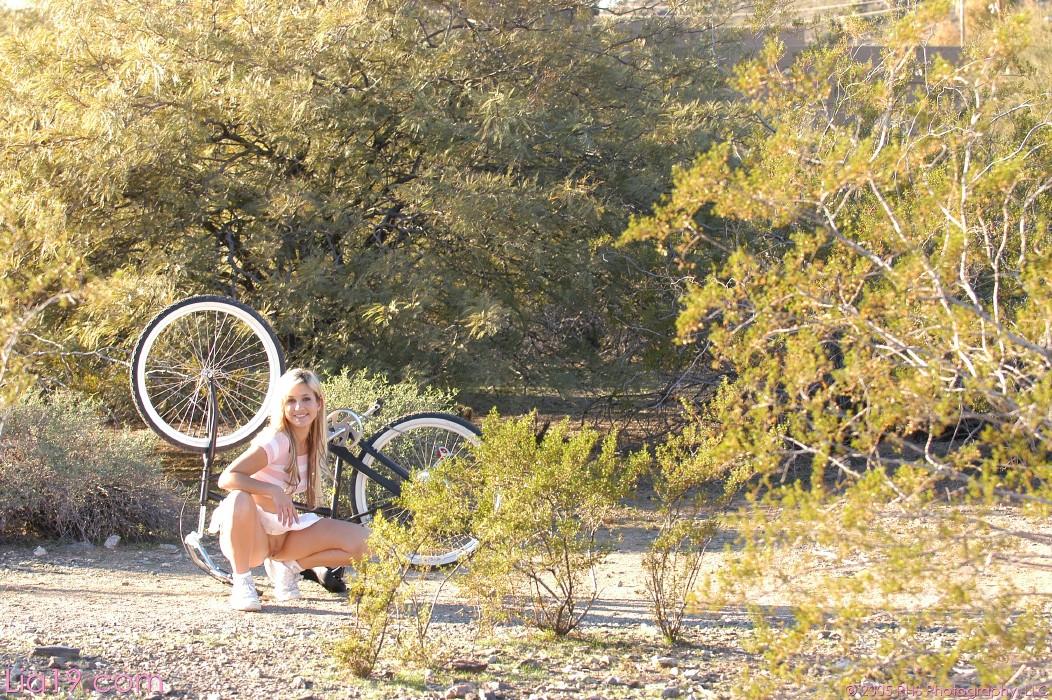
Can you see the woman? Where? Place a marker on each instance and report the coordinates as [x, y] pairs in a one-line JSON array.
[[257, 521]]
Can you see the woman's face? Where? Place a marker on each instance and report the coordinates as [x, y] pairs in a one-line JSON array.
[[301, 406]]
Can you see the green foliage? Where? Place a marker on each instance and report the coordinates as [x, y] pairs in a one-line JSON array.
[[672, 562], [389, 608], [537, 509], [397, 184], [359, 390], [64, 474], [879, 306]]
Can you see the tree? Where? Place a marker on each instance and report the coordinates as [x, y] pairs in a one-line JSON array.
[[397, 184], [878, 302]]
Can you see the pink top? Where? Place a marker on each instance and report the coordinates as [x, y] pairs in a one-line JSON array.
[[276, 445]]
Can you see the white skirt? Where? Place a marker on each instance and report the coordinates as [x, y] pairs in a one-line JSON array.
[[223, 515]]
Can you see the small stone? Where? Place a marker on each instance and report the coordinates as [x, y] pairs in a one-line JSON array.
[[496, 686], [470, 665], [665, 661], [635, 683], [299, 682], [169, 547], [670, 692], [611, 680], [112, 541], [39, 552], [213, 696], [691, 673], [57, 650], [459, 690], [99, 664], [54, 662], [494, 659], [605, 660]]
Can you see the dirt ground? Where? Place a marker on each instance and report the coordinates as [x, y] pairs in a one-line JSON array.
[[144, 610], [143, 614]]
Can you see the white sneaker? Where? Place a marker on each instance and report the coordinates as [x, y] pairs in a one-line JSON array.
[[285, 578], [243, 595]]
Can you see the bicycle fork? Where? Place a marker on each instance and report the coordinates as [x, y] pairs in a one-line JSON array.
[[192, 542]]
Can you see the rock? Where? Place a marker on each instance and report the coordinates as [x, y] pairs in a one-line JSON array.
[[459, 690], [605, 660], [299, 682], [670, 692], [57, 650], [496, 686], [213, 696], [665, 661], [635, 683], [611, 680], [112, 541], [168, 547], [494, 659], [691, 673], [55, 662], [39, 552], [470, 665]]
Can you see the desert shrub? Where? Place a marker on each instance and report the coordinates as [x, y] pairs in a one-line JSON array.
[[358, 390], [537, 508], [373, 592], [64, 473], [390, 610], [883, 321], [673, 560]]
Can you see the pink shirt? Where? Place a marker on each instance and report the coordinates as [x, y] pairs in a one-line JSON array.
[[276, 445]]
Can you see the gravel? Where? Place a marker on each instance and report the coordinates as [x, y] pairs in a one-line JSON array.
[[143, 613]]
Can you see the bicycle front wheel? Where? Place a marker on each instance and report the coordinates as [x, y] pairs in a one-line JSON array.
[[418, 443], [200, 341]]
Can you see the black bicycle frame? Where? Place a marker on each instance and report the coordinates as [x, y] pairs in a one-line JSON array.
[[343, 455]]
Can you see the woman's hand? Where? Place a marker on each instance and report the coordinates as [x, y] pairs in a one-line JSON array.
[[283, 508]]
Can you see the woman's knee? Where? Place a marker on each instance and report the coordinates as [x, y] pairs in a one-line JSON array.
[[243, 504], [358, 547]]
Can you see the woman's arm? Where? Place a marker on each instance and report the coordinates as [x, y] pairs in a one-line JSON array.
[[238, 477]]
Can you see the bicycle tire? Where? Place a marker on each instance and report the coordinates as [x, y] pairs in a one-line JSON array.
[[189, 341], [415, 441]]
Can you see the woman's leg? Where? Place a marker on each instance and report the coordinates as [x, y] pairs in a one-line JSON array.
[[325, 543], [244, 542]]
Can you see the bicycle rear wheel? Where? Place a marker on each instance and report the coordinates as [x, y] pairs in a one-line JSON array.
[[193, 342], [417, 442]]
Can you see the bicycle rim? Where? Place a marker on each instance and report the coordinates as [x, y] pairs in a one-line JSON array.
[[196, 340], [419, 443]]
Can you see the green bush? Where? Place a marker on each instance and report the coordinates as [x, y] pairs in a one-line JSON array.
[[359, 390], [389, 608], [537, 508], [672, 562], [65, 474]]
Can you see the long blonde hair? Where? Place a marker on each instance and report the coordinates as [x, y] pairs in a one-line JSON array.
[[317, 436]]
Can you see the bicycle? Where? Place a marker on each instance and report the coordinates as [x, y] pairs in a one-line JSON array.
[[203, 374]]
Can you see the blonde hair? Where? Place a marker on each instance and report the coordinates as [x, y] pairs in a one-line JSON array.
[[317, 436]]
